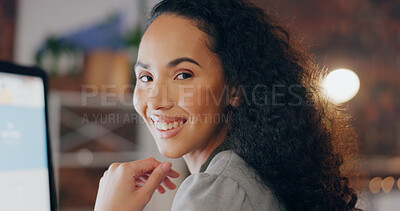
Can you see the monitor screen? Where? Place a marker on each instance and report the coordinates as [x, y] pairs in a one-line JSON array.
[[24, 170]]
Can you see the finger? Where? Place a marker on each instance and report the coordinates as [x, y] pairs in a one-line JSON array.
[[142, 180], [172, 173], [144, 166], [113, 166], [139, 183], [156, 177], [161, 189], [144, 176], [166, 182], [148, 165]]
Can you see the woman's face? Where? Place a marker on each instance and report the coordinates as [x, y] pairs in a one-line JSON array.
[[180, 84]]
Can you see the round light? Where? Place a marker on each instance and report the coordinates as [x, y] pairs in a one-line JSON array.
[[341, 85], [398, 183], [375, 184], [387, 184], [85, 156]]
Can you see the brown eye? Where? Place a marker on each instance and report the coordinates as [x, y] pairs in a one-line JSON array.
[[182, 76], [145, 78]]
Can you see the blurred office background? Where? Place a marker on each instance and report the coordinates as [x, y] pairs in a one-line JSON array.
[[88, 48]]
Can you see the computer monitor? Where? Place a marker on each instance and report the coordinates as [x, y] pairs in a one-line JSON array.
[[26, 177]]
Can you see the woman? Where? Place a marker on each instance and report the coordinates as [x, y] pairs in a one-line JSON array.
[[224, 87]]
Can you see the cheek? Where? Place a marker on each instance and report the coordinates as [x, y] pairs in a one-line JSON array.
[[213, 97], [140, 100], [204, 99]]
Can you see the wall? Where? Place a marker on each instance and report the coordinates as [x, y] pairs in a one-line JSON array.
[[38, 19], [7, 28]]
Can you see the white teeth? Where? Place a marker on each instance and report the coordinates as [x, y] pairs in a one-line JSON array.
[[154, 118], [165, 126]]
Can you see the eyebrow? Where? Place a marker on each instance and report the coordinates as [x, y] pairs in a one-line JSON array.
[[172, 63]]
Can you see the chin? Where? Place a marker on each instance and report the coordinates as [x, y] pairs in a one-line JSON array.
[[170, 153]]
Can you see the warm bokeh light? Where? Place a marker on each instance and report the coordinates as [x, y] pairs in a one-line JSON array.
[[85, 156], [375, 184], [341, 85], [398, 183], [387, 184]]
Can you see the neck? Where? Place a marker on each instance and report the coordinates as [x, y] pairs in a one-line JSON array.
[[195, 158]]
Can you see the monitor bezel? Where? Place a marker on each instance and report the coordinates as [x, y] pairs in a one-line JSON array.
[[7, 67]]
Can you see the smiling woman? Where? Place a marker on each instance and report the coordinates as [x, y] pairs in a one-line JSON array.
[[179, 76], [199, 60]]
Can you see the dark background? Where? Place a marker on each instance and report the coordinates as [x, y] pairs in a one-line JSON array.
[[363, 36]]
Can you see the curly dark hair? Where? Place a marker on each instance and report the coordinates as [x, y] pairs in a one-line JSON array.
[[296, 141]]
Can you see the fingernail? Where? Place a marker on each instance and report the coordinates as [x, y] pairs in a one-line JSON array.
[[166, 166]]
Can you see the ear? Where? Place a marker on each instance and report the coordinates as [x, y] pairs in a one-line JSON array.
[[235, 97]]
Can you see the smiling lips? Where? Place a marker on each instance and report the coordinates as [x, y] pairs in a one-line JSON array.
[[168, 127]]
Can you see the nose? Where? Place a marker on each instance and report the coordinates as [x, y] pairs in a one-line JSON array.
[[159, 97]]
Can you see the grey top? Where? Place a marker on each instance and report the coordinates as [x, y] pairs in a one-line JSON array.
[[222, 147], [226, 184]]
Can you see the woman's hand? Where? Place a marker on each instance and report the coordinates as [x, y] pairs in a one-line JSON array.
[[130, 186]]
